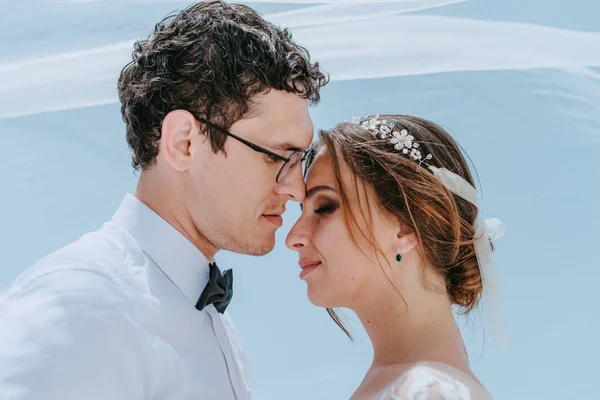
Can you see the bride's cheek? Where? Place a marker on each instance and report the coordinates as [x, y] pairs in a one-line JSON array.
[[338, 239], [321, 236]]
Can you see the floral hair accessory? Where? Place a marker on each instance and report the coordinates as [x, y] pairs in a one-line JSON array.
[[402, 141]]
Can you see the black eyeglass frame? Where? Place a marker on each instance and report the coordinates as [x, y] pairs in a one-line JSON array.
[[260, 149]]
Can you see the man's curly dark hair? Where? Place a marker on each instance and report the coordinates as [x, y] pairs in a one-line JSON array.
[[210, 59]]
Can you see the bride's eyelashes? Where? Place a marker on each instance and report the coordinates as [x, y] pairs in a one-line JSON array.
[[327, 207]]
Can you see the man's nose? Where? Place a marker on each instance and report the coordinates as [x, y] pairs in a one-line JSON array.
[[293, 185]]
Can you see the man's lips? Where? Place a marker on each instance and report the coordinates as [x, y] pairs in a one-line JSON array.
[[275, 219]]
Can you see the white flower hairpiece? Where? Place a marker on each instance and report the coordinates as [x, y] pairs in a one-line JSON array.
[[402, 141]]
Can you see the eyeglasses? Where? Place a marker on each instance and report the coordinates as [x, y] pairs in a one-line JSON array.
[[289, 163]]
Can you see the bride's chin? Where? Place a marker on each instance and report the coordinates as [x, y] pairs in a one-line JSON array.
[[317, 299]]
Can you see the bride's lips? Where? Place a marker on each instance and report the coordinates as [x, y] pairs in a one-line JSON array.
[[307, 266]]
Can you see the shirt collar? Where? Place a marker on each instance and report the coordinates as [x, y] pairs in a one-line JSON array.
[[173, 253]]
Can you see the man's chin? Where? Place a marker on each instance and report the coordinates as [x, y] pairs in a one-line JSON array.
[[263, 249], [256, 248]]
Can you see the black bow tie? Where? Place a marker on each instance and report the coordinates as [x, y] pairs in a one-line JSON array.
[[218, 290]]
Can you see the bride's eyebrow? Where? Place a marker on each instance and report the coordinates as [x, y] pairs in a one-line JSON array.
[[316, 189]]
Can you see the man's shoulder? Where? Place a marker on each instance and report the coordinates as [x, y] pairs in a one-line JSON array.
[[96, 260], [79, 289], [74, 309]]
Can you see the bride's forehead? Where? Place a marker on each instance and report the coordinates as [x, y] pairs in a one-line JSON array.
[[320, 170]]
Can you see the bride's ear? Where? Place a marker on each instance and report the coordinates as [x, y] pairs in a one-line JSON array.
[[406, 240]]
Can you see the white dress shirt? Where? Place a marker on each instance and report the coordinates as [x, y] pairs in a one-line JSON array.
[[112, 317]]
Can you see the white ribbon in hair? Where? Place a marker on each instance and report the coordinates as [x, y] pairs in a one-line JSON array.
[[485, 230]]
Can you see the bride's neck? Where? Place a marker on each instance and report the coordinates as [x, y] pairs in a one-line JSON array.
[[423, 331]]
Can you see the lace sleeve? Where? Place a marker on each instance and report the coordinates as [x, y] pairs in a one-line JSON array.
[[423, 383]]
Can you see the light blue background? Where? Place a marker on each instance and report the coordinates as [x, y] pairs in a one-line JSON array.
[[64, 173]]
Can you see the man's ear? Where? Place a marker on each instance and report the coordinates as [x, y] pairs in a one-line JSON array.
[[179, 127]]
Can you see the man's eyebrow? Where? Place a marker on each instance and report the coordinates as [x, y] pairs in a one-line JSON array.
[[287, 146]]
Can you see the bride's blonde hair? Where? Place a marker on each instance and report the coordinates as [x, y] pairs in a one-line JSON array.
[[443, 223]]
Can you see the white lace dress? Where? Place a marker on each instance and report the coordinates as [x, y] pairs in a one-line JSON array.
[[435, 381]]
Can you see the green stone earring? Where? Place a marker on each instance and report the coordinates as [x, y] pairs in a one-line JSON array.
[[398, 255]]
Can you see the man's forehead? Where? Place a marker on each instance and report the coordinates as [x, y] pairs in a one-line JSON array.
[[286, 132], [282, 118], [291, 136]]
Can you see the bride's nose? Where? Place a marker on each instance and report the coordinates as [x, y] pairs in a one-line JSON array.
[[299, 236]]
